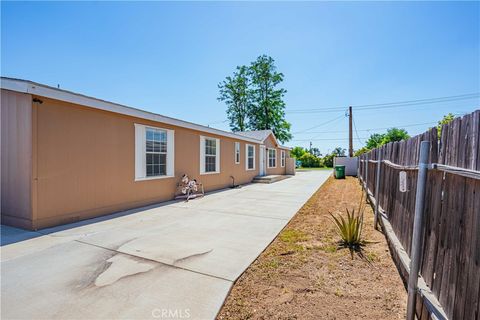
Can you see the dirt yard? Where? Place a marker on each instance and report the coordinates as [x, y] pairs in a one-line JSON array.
[[303, 275]]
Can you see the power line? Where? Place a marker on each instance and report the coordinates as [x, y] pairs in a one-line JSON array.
[[321, 124], [356, 132], [384, 128], [386, 105], [460, 96], [324, 139], [414, 103]]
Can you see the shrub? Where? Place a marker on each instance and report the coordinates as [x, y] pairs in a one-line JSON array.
[[328, 160], [361, 151], [297, 152], [309, 160]]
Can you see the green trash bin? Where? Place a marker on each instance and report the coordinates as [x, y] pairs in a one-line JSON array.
[[339, 172]]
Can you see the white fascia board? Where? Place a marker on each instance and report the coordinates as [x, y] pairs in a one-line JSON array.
[[29, 87]]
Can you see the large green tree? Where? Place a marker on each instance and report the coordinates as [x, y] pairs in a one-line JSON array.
[[378, 139], [395, 134], [374, 141], [268, 110], [236, 94], [254, 98]]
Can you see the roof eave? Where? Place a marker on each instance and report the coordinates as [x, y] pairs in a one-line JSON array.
[[30, 87]]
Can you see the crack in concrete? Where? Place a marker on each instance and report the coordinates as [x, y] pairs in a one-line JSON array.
[[191, 256]]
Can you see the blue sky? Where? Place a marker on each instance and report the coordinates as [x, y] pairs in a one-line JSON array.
[[169, 57]]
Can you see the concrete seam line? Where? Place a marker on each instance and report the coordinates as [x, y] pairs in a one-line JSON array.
[[151, 260], [236, 214]]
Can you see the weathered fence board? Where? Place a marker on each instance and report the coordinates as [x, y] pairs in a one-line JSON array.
[[450, 263]]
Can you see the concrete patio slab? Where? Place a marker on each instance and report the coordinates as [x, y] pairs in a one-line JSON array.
[[220, 245], [173, 257], [77, 281]]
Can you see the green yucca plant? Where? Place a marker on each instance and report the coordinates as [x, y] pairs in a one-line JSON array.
[[350, 228]]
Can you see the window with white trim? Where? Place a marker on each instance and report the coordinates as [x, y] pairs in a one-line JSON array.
[[250, 157], [154, 152], [272, 158], [237, 152], [282, 158], [209, 155]]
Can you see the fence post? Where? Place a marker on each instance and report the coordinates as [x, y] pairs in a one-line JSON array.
[[366, 174], [417, 229], [377, 187], [358, 167]]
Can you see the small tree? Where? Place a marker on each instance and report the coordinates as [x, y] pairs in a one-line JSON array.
[[395, 134], [316, 152], [361, 151], [327, 161], [297, 152], [446, 119], [337, 152]]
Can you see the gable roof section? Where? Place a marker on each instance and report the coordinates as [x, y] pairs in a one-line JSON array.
[[30, 87], [261, 135]]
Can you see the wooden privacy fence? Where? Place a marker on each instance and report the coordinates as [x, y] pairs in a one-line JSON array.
[[449, 263]]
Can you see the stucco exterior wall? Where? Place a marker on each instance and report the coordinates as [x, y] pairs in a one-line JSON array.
[[270, 143], [86, 163], [16, 158]]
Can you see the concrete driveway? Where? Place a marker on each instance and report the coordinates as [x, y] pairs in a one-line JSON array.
[[172, 261]]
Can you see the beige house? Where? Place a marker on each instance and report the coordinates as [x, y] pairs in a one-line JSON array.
[[67, 157], [272, 156]]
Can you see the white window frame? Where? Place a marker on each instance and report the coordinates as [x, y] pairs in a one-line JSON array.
[[282, 158], [246, 156], [268, 158], [236, 153], [141, 151], [202, 155]]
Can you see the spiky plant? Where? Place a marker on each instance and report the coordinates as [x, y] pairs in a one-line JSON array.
[[350, 228]]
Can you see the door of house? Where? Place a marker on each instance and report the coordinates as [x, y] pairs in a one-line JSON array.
[[262, 161]]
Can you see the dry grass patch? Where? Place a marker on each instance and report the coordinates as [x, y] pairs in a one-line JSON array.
[[304, 274]]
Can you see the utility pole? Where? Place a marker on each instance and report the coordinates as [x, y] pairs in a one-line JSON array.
[[310, 147], [350, 133]]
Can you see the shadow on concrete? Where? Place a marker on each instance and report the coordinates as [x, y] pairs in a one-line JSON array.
[[11, 235]]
